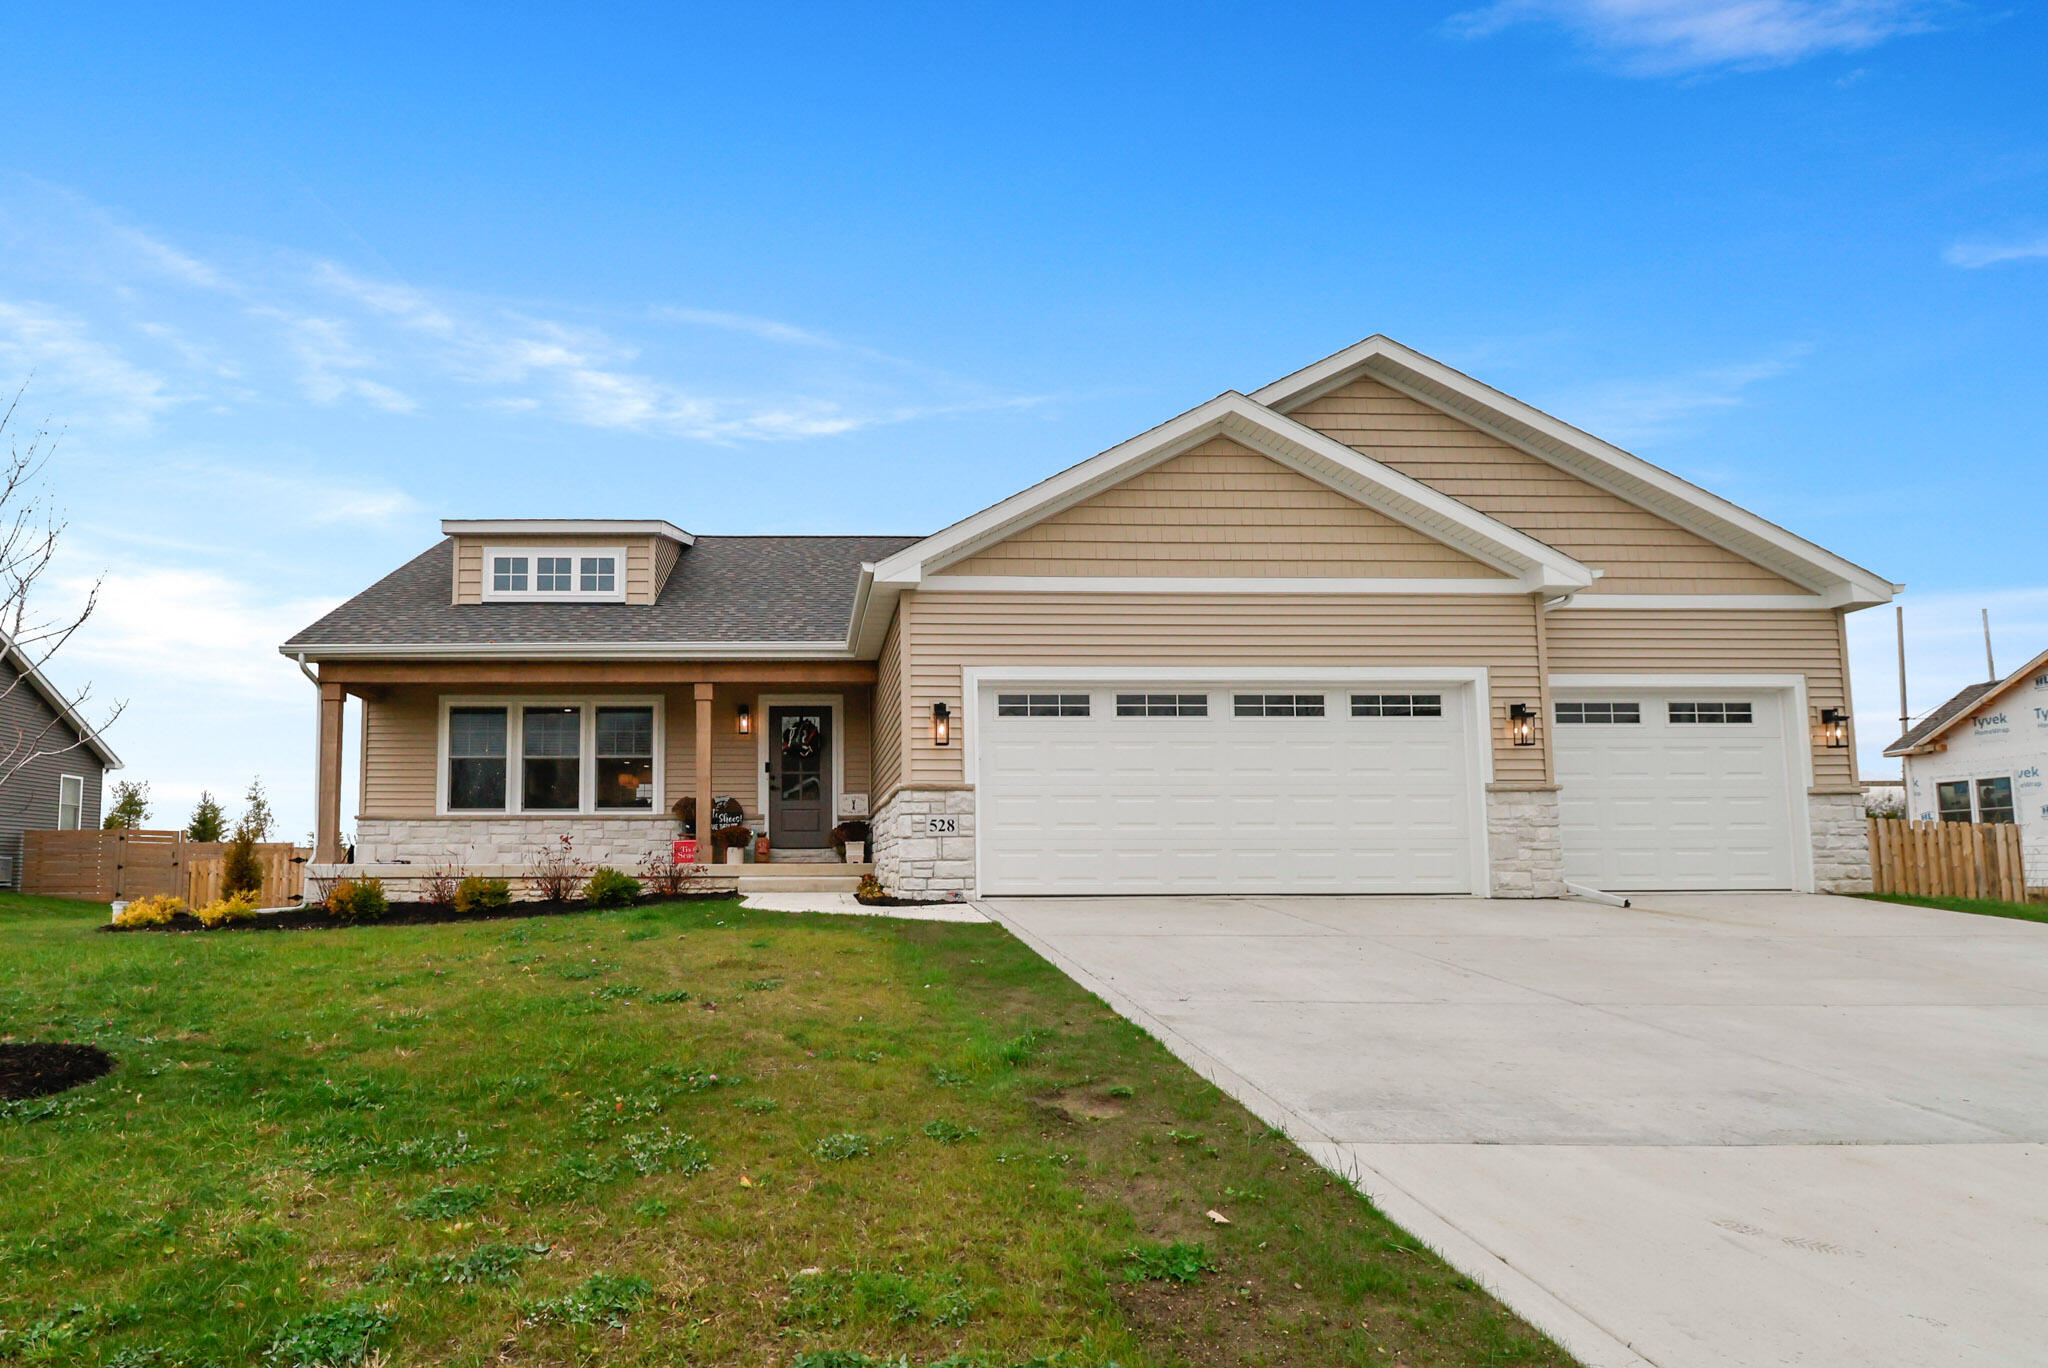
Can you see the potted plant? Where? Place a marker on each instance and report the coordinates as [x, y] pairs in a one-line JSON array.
[[850, 839], [731, 843]]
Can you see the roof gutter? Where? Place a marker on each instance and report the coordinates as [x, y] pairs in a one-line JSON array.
[[573, 650]]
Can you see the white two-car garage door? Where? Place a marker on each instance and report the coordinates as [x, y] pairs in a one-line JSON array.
[[1183, 787], [1674, 789]]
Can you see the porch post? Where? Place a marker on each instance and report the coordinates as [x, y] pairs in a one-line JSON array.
[[705, 854], [327, 777]]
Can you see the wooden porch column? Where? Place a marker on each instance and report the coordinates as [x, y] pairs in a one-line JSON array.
[[327, 777], [705, 854]]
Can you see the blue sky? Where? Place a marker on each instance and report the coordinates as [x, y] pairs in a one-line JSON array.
[[296, 286]]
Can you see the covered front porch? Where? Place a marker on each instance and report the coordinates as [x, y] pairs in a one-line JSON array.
[[484, 767]]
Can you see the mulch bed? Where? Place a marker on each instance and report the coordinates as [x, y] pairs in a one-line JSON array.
[[37, 1068], [404, 914], [884, 900]]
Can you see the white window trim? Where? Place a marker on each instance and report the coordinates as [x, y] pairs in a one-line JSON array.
[[79, 780], [586, 790], [575, 554], [762, 732], [1473, 682]]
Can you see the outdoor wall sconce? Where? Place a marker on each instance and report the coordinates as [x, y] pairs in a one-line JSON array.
[[942, 725], [1834, 728], [746, 720], [1521, 724]]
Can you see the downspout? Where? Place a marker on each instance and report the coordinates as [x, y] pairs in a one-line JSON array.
[[307, 671]]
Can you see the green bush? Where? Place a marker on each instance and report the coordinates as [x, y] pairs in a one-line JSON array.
[[476, 894], [353, 900], [609, 887]]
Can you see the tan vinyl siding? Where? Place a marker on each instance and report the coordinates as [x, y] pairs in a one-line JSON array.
[[401, 740], [1222, 509], [1701, 641], [642, 582], [948, 632], [1640, 552], [888, 713]]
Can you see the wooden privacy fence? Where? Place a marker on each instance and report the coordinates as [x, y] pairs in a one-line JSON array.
[[101, 866], [1947, 859]]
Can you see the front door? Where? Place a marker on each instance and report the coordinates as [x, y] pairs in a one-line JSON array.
[[800, 777]]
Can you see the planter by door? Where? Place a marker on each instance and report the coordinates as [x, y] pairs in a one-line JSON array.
[[800, 776]]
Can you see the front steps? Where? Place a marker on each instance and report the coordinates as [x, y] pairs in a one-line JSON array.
[[794, 877]]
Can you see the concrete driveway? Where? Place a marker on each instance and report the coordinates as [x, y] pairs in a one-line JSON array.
[[1726, 1129]]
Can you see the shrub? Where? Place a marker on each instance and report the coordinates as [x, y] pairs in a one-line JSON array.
[[663, 877], [556, 872], [354, 900], [240, 870], [870, 887], [154, 911], [476, 894], [441, 887], [609, 887], [233, 908]]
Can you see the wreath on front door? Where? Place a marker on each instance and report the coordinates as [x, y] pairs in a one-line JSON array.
[[801, 739]]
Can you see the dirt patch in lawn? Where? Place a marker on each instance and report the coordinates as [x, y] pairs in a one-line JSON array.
[[406, 914], [37, 1068]]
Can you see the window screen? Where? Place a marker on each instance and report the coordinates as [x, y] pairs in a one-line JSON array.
[[1953, 799], [1162, 705], [476, 759], [1042, 705], [1278, 705], [1603, 714], [1397, 705], [625, 757], [1682, 713], [1994, 800], [552, 757]]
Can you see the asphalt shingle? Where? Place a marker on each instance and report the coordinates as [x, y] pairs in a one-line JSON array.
[[723, 589]]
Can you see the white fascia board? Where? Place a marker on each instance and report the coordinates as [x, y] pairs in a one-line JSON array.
[[565, 527], [577, 650], [1601, 463], [58, 703], [1329, 462]]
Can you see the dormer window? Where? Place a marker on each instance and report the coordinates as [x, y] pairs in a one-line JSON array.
[[530, 574]]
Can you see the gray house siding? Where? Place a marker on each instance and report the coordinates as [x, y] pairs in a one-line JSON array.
[[28, 801]]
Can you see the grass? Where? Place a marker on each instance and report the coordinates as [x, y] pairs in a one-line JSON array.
[[1983, 907], [689, 1133]]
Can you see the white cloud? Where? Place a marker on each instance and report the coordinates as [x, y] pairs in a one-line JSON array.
[[767, 329], [1663, 37], [1972, 255], [59, 349], [1625, 411]]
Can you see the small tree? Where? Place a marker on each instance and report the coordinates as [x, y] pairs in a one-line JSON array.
[[240, 870], [208, 822], [130, 808]]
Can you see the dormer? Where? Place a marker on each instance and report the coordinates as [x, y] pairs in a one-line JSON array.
[[562, 560]]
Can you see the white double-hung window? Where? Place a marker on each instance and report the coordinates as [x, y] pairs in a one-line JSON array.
[[538, 755], [540, 574]]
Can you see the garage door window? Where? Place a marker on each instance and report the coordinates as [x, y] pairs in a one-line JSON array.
[[1601, 714], [1953, 799], [1397, 705], [1162, 705], [1279, 705], [1688, 713], [1042, 705]]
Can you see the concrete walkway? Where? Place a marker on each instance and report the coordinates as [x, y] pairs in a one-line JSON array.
[[1707, 1130]]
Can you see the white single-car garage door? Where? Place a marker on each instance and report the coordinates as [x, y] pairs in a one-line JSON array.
[[1674, 789], [1295, 787]]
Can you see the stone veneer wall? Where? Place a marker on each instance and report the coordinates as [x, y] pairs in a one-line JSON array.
[[1841, 843], [910, 862], [478, 841], [1525, 842]]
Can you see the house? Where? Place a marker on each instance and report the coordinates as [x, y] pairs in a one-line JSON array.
[[1980, 757], [1374, 628], [53, 763]]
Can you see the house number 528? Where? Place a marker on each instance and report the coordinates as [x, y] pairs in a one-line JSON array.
[[941, 826]]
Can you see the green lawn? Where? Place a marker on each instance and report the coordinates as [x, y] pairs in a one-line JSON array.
[[680, 1134], [1983, 907]]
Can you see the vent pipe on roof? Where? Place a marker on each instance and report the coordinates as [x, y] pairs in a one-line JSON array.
[[1990, 665]]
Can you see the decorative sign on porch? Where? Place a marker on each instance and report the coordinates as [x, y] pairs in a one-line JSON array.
[[853, 805], [684, 852]]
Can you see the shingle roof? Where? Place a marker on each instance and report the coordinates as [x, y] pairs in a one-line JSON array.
[[1942, 716], [723, 589]]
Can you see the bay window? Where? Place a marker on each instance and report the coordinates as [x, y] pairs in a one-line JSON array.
[[550, 755]]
